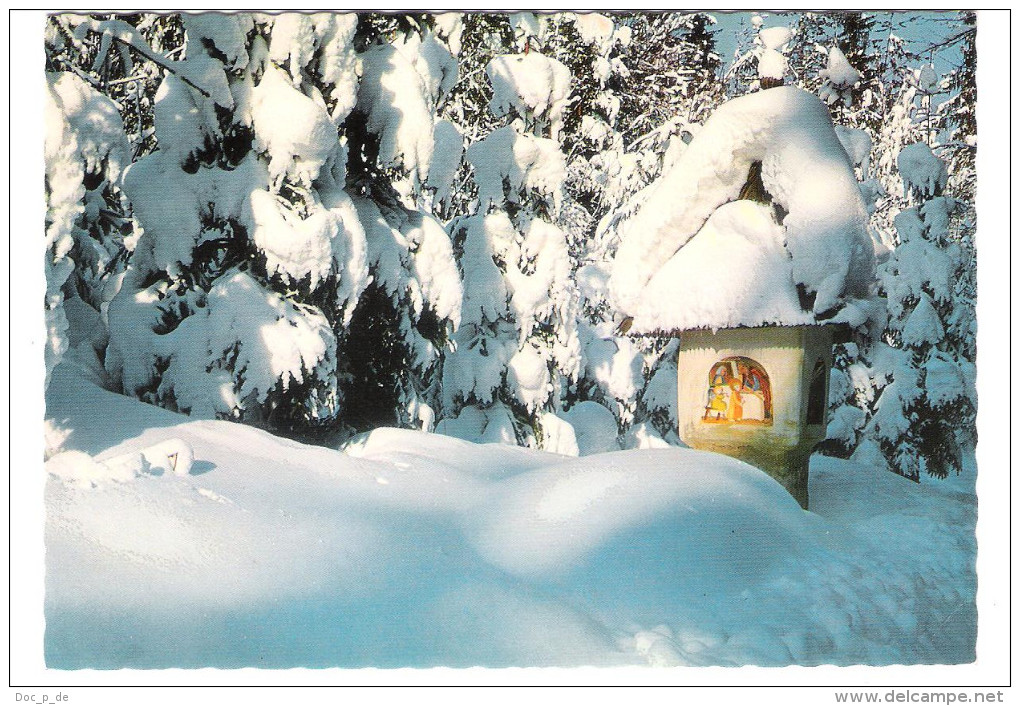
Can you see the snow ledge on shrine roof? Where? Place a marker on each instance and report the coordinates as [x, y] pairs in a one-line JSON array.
[[697, 256]]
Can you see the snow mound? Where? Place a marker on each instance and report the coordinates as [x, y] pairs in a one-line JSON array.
[[805, 170], [411, 549], [81, 469], [629, 508], [594, 427], [173, 456], [734, 272]]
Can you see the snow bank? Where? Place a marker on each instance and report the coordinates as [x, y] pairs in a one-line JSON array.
[[581, 516], [419, 550], [806, 171]]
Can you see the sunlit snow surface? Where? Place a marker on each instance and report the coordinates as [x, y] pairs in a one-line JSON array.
[[420, 550]]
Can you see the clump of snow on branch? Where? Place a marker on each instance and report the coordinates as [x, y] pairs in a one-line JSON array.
[[598, 30], [298, 37], [244, 328], [532, 86], [295, 132], [772, 64], [927, 79], [449, 150], [838, 77], [922, 172], [509, 164], [857, 144], [395, 101]]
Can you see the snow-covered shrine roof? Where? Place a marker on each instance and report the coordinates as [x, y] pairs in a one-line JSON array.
[[696, 255]]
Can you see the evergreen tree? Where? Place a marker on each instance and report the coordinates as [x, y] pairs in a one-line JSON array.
[[401, 326], [250, 254], [517, 351], [251, 260], [924, 416], [85, 152]]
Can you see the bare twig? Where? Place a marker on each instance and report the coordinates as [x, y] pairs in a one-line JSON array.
[[129, 79], [126, 34]]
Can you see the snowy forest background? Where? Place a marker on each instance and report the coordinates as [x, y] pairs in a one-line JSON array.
[[323, 224]]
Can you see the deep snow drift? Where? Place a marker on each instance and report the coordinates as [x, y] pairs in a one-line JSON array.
[[413, 549]]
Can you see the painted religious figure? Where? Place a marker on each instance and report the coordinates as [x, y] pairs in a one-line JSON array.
[[738, 391]]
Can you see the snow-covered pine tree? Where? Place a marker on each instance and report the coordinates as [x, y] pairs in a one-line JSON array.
[[405, 316], [85, 152], [924, 417], [251, 256], [517, 349]]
